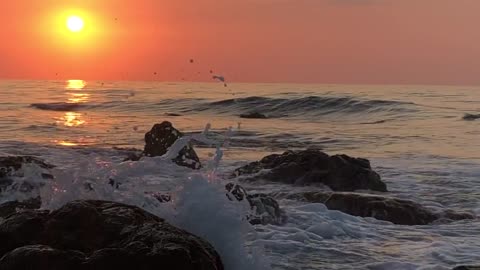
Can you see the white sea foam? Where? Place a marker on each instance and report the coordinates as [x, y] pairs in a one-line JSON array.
[[199, 203]]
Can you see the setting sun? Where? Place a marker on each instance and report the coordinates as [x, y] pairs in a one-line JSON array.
[[75, 23]]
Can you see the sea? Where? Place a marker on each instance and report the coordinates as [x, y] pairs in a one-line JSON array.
[[414, 136]]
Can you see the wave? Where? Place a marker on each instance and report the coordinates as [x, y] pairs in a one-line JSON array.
[[470, 117], [312, 105], [61, 106]]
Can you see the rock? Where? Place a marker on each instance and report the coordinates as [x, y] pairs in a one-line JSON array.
[[10, 166], [339, 172], [467, 268], [235, 191], [311, 197], [470, 117], [12, 207], [253, 115], [84, 235], [132, 154], [161, 197], [172, 114], [161, 137], [42, 257], [454, 215], [397, 211], [265, 209]]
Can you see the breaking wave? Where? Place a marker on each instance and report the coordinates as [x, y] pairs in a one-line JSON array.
[[61, 106], [311, 105]]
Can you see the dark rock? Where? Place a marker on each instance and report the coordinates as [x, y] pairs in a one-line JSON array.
[[253, 115], [470, 117], [133, 154], [161, 197], [161, 137], [133, 157], [12, 207], [10, 167], [397, 211], [235, 191], [467, 268], [21, 229], [311, 197], [265, 209], [84, 235], [454, 215], [42, 257], [11, 164], [173, 114], [339, 172]]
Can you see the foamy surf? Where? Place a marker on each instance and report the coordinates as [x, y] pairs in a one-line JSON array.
[[404, 149]]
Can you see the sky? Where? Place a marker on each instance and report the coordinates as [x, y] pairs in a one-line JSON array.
[[299, 41]]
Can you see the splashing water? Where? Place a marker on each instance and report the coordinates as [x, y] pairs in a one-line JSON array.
[[199, 203]]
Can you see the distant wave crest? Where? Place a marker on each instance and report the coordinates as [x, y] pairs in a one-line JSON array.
[[470, 117], [312, 105], [60, 106]]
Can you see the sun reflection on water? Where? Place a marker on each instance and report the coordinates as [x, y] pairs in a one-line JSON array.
[[65, 143], [75, 95], [75, 119], [78, 98], [76, 84], [72, 119]]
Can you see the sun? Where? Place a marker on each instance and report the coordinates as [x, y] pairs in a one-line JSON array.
[[75, 23]]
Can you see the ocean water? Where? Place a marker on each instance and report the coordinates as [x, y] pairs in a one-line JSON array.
[[414, 136]]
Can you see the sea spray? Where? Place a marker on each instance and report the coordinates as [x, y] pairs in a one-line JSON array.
[[199, 203]]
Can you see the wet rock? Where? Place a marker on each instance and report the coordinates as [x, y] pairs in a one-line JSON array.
[[471, 117], [9, 170], [454, 215], [11, 207], [265, 209], [132, 154], [397, 211], [85, 235], [42, 257], [235, 191], [339, 172], [161, 137], [10, 166], [172, 114], [311, 197], [161, 197], [253, 115]]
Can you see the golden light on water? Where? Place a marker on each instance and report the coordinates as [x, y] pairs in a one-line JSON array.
[[72, 119], [65, 143], [78, 98], [76, 84]]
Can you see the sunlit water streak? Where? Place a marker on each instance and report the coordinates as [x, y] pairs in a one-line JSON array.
[[414, 136]]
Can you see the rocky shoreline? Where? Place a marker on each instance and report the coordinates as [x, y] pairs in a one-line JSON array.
[[102, 235]]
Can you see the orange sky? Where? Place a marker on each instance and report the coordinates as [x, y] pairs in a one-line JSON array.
[[322, 41]]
